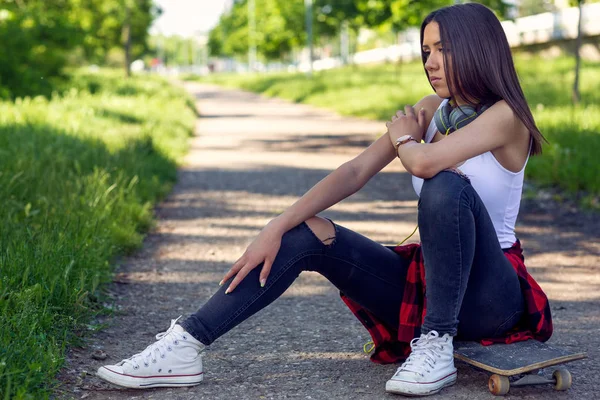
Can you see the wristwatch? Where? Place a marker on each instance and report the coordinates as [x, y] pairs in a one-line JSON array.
[[403, 139]]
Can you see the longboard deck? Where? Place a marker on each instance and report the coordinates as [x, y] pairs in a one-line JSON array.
[[515, 358]]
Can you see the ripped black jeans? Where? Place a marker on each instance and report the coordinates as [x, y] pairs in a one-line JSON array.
[[472, 289]]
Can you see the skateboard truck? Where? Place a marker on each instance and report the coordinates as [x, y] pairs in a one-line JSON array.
[[499, 385]]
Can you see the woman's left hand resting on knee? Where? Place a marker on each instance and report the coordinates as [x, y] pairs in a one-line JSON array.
[[263, 248]]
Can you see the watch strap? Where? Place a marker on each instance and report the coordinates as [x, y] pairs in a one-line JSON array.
[[403, 139]]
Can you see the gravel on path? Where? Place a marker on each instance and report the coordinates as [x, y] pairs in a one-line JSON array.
[[251, 158]]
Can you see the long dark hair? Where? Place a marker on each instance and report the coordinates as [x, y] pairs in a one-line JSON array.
[[482, 70]]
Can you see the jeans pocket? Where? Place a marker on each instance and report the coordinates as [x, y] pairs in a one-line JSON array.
[[509, 323]]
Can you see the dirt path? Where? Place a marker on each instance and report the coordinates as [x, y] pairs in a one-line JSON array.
[[252, 158]]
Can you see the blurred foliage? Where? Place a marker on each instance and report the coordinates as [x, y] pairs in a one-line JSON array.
[[176, 50], [281, 29], [102, 23], [281, 23], [531, 7], [38, 38]]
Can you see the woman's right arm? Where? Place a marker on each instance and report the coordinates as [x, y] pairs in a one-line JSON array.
[[349, 177], [346, 180], [341, 183]]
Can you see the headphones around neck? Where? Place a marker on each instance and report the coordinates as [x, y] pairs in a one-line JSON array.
[[449, 118]]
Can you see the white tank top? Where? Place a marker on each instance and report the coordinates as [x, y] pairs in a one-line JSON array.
[[499, 189]]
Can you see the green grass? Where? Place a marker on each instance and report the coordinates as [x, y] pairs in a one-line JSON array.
[[569, 161], [79, 175]]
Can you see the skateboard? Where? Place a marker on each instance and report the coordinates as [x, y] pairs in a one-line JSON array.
[[518, 364]]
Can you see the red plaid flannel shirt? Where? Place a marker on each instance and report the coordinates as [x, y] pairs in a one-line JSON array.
[[392, 344]]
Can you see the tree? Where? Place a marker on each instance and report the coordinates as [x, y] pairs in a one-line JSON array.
[[175, 50], [575, 93], [280, 29], [576, 96], [106, 24], [330, 14], [532, 7], [281, 22], [37, 37], [397, 14], [401, 14]]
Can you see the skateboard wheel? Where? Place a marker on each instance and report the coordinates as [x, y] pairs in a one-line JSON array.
[[498, 385], [562, 378]]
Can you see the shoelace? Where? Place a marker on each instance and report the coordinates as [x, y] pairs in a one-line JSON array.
[[423, 354], [165, 341]]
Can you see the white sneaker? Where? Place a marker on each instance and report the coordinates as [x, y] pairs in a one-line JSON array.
[[174, 360], [428, 368]]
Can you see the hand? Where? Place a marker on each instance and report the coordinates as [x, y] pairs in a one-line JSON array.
[[407, 123], [263, 248]]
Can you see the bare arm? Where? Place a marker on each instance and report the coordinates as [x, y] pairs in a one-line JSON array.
[[495, 128], [341, 183], [346, 180], [349, 177]]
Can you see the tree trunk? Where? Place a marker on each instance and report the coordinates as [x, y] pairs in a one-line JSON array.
[[344, 43], [400, 60], [576, 94], [127, 37], [308, 7]]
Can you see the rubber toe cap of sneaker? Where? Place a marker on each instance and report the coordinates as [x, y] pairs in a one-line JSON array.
[[110, 369]]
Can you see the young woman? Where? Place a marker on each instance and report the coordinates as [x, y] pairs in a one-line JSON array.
[[466, 147]]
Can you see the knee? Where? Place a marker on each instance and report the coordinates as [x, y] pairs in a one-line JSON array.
[[441, 192], [322, 228]]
